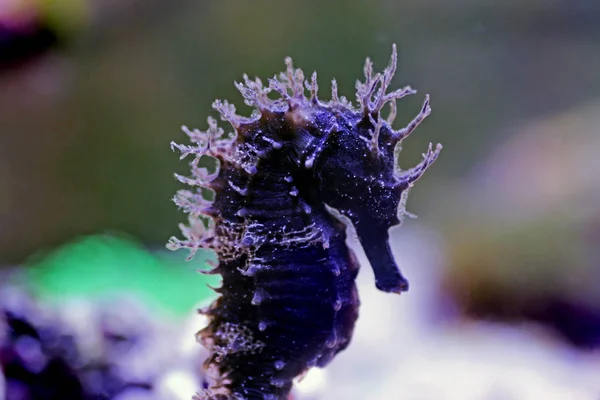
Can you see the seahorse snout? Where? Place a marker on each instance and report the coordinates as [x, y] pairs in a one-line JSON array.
[[375, 243]]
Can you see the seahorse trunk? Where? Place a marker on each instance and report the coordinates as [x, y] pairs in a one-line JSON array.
[[283, 310], [288, 296]]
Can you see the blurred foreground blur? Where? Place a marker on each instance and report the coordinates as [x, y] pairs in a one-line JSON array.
[[126, 334]]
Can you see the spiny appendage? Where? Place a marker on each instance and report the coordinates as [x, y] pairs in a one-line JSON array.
[[228, 339], [372, 95]]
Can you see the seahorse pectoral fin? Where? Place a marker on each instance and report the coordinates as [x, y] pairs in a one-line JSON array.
[[388, 277]]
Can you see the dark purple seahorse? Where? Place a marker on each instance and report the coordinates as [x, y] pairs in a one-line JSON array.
[[272, 199]]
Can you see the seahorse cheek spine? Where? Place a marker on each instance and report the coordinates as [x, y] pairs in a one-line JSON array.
[[270, 206]]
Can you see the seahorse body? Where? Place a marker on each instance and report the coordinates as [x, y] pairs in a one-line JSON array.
[[280, 183]]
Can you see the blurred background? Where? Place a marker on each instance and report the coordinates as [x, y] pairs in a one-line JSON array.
[[504, 259]]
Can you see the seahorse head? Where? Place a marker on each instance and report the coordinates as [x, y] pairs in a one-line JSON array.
[[357, 172]]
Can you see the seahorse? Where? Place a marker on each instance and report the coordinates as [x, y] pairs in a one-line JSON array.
[[273, 199]]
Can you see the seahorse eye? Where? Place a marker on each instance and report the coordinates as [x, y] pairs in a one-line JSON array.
[[387, 202]]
